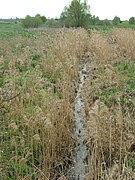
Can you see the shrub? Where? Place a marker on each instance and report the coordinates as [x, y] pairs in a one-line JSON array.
[[132, 20], [116, 20], [32, 22]]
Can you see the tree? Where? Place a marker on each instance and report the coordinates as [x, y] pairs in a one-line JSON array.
[[106, 22], [32, 22], [77, 14], [132, 20], [53, 23], [116, 20], [95, 20], [43, 18]]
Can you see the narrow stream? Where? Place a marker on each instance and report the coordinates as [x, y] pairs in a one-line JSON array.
[[79, 170]]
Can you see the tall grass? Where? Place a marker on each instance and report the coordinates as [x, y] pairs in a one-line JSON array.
[[109, 113], [38, 82], [37, 91]]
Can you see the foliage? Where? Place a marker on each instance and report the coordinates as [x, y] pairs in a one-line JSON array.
[[43, 18], [95, 20], [8, 30], [77, 14], [104, 22], [116, 20], [132, 20], [53, 23], [131, 163], [32, 22]]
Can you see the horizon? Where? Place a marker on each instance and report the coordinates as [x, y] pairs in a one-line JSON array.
[[52, 9]]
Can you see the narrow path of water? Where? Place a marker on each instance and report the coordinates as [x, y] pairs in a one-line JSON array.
[[79, 170]]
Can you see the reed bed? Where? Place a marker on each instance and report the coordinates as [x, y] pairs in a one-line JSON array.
[[38, 82], [109, 113]]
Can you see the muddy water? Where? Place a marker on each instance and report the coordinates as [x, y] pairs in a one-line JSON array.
[[79, 170]]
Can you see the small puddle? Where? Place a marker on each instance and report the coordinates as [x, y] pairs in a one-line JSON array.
[[79, 170]]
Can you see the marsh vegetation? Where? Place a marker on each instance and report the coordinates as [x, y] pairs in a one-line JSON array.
[[39, 74]]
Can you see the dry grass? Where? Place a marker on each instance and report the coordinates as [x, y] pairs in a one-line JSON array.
[[38, 79], [123, 41], [109, 111]]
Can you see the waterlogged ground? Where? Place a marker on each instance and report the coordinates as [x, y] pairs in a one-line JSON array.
[[79, 169]]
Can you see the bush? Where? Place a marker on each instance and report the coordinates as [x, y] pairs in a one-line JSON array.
[[116, 20], [32, 22], [132, 20]]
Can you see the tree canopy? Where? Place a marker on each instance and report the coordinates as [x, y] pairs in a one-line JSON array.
[[33, 22], [116, 20], [77, 14], [132, 20]]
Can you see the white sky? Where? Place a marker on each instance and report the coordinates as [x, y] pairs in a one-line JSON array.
[[53, 8]]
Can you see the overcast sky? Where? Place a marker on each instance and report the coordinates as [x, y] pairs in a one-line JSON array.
[[53, 8]]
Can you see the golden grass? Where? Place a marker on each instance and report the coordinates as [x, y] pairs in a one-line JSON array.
[[109, 111], [37, 93], [39, 77]]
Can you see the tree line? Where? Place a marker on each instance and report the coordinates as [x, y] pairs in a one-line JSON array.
[[76, 14]]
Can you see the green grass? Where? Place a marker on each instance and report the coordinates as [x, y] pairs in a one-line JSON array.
[[103, 28], [11, 29], [125, 25], [125, 73], [131, 163]]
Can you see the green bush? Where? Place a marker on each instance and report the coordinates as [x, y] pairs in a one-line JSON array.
[[116, 20], [32, 22], [132, 20]]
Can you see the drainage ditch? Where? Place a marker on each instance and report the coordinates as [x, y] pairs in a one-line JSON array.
[[79, 166]]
